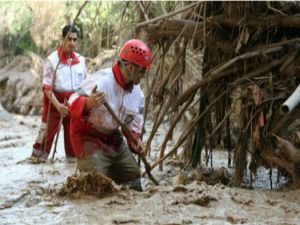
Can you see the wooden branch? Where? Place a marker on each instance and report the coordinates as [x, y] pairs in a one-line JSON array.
[[170, 131], [170, 29], [160, 116], [282, 153], [161, 87], [188, 130], [262, 69], [149, 90], [216, 74], [167, 15], [281, 120], [58, 131], [212, 134], [143, 11], [275, 10], [284, 67], [265, 22]]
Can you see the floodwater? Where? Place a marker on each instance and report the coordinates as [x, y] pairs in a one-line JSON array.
[[28, 193]]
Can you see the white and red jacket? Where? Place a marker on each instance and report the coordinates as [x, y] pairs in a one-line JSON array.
[[71, 71], [69, 74], [128, 106]]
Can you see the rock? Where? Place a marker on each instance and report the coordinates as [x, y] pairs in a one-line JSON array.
[[20, 85]]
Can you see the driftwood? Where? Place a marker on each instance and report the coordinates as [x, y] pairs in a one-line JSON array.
[[170, 131], [166, 16], [250, 51], [171, 28], [215, 76], [284, 155]]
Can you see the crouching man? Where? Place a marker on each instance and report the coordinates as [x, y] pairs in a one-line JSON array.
[[95, 135]]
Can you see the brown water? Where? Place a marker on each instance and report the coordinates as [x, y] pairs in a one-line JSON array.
[[27, 193]]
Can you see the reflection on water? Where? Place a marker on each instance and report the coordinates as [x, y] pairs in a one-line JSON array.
[[260, 181], [265, 180]]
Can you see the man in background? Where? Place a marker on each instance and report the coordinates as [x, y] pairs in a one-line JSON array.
[[63, 72]]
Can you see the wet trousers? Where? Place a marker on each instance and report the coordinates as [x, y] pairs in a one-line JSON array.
[[119, 165], [44, 141]]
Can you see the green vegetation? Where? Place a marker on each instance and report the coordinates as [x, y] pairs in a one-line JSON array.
[[36, 26], [15, 35]]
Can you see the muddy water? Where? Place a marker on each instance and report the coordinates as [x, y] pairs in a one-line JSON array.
[[27, 193]]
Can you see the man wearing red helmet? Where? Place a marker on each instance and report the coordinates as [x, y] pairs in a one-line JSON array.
[[95, 135]]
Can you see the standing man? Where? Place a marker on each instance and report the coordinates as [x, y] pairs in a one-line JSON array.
[[57, 87], [95, 135]]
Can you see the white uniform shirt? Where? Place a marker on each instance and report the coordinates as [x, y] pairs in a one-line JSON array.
[[68, 77], [128, 106]]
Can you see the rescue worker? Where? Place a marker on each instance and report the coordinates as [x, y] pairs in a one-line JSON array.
[[70, 72], [95, 135]]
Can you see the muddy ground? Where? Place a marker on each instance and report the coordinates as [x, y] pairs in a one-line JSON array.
[[28, 192]]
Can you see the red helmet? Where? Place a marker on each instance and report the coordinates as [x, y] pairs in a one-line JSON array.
[[137, 52]]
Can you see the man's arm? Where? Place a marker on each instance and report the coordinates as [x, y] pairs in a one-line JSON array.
[[61, 108]]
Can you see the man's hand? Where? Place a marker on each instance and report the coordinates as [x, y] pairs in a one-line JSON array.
[[138, 148], [95, 99], [62, 109], [134, 142]]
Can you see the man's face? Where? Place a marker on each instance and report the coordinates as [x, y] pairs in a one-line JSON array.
[[137, 74], [70, 42]]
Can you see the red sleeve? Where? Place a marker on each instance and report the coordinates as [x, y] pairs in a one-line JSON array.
[[78, 124], [77, 107]]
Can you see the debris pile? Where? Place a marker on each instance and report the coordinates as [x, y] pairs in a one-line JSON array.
[[90, 183], [249, 67]]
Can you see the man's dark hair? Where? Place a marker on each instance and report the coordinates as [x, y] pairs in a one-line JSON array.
[[66, 29]]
